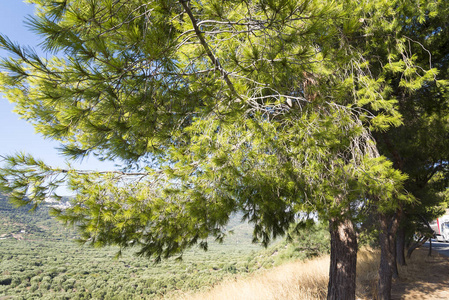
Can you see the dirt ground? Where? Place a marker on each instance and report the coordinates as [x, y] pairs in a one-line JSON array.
[[424, 277]]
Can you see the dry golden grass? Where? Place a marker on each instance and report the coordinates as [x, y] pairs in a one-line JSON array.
[[367, 273], [297, 280]]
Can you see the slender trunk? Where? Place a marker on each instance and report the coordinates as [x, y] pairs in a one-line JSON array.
[[388, 268], [417, 244], [400, 246], [385, 269], [430, 247], [392, 235], [392, 242], [342, 271]]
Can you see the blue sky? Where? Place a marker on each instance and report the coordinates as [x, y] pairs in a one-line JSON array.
[[17, 135]]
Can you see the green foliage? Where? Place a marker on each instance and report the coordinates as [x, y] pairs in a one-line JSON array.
[[215, 107], [419, 147]]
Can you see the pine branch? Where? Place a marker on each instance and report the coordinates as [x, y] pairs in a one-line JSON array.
[[208, 50]]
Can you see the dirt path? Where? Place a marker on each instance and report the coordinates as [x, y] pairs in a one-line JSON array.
[[423, 278]]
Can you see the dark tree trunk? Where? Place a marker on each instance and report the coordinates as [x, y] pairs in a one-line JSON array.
[[400, 247], [422, 239], [385, 269], [417, 244], [392, 241], [342, 271], [430, 247], [388, 269]]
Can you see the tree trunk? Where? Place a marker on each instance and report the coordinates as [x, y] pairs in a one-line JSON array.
[[422, 240], [430, 247], [342, 271], [400, 247], [392, 242], [388, 267]]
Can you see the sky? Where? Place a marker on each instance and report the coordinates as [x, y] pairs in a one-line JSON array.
[[16, 135]]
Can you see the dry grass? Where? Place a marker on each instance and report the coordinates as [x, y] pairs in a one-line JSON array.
[[423, 278], [297, 280], [418, 265], [368, 261]]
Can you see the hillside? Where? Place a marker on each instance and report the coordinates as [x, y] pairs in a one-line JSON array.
[[19, 223], [39, 260]]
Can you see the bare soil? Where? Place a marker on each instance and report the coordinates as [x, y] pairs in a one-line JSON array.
[[424, 277]]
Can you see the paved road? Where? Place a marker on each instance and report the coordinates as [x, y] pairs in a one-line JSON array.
[[442, 248]]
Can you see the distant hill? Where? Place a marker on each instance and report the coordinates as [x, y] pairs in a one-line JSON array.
[[20, 223]]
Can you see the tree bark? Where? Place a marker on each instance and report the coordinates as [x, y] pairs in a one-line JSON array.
[[388, 228], [392, 241], [422, 240], [400, 246], [342, 271]]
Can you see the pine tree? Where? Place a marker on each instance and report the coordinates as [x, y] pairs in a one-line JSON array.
[[264, 107], [418, 147]]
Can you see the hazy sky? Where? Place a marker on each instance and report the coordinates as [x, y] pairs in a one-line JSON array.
[[17, 135]]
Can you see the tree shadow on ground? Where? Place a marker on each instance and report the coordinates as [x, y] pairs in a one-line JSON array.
[[424, 277]]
